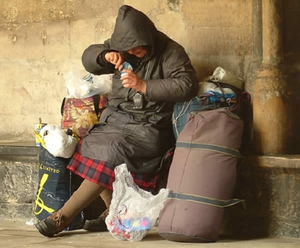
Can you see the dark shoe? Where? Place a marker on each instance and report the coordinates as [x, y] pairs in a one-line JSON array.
[[52, 225], [96, 225]]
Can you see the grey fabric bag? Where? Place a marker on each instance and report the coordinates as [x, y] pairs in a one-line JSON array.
[[202, 176]]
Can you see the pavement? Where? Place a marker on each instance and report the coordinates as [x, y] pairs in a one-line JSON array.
[[20, 234]]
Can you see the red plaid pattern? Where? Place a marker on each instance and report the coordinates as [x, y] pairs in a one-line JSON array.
[[102, 172]]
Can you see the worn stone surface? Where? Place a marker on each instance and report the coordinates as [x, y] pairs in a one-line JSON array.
[[18, 185], [20, 234], [270, 187], [273, 129]]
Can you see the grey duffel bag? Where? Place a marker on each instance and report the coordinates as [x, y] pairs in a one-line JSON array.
[[202, 177]]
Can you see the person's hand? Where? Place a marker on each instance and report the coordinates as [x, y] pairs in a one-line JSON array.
[[131, 80], [115, 58]]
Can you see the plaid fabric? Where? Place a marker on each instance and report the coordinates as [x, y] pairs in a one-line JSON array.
[[102, 172]]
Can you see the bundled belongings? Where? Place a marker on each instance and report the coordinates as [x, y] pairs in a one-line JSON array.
[[222, 89], [202, 176], [228, 88], [80, 110], [182, 109], [56, 182], [221, 75], [85, 101], [54, 179]]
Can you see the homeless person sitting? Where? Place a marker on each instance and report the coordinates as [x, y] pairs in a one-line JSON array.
[[135, 128]]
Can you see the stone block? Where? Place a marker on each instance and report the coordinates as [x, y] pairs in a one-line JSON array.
[[82, 34], [270, 187], [219, 41], [212, 14], [56, 40], [23, 41], [18, 185]]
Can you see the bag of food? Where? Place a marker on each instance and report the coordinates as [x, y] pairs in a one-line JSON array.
[[133, 211]]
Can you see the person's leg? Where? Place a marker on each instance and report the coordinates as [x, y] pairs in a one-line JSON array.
[[106, 196], [81, 198], [98, 225]]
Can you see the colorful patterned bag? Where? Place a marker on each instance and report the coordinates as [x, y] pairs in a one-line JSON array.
[[80, 115]]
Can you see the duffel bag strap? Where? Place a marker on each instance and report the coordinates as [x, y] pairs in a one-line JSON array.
[[206, 200], [96, 99], [62, 106], [211, 147]]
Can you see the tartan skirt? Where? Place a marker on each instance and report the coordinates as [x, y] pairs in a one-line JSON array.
[[102, 172]]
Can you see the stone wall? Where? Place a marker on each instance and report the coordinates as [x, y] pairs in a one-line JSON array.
[[19, 181], [270, 187], [41, 39]]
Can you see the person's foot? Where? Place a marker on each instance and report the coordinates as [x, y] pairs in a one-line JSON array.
[[52, 225], [96, 225]]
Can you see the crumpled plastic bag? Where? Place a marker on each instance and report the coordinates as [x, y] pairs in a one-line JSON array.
[[205, 87], [89, 85], [133, 211], [57, 141], [223, 76]]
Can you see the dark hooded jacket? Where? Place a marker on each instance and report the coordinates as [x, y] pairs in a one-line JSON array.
[[169, 78]]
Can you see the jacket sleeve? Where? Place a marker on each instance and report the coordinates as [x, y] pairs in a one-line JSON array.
[[92, 62], [179, 82]]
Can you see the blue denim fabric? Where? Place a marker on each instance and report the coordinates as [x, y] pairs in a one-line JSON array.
[[182, 109]]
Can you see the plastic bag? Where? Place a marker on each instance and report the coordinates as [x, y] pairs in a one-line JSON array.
[[89, 85], [205, 87], [55, 187], [57, 141], [223, 76], [102, 84], [133, 211]]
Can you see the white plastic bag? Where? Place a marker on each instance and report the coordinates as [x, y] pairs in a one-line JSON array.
[[133, 211], [57, 141], [102, 84], [89, 85], [205, 87], [224, 76]]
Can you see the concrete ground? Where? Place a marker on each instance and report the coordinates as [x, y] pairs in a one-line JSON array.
[[19, 234]]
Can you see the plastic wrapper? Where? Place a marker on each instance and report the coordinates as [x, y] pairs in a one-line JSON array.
[[89, 85], [223, 76], [57, 141], [133, 211]]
